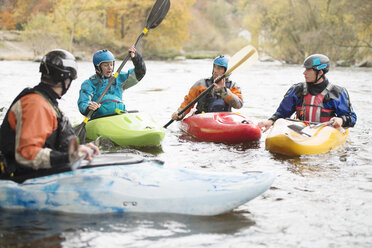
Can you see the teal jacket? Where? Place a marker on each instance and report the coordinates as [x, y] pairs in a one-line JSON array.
[[92, 88]]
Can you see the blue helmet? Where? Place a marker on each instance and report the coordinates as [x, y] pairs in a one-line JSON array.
[[102, 56], [221, 61]]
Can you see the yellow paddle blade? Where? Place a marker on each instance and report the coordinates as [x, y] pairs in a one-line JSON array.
[[242, 59]]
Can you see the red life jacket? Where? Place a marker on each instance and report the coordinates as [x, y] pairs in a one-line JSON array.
[[312, 108]]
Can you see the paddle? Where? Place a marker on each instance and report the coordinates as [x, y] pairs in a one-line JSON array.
[[157, 14], [304, 130], [73, 151], [243, 58]]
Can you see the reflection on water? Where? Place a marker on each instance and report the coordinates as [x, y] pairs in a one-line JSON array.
[[29, 228], [147, 151], [315, 201]]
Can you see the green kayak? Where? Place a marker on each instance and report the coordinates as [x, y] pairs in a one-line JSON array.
[[127, 129]]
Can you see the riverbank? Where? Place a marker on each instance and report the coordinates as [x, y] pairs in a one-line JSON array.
[[12, 47]]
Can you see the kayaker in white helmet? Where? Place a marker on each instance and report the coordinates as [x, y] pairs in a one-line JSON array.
[[224, 96], [35, 134], [316, 99], [92, 88]]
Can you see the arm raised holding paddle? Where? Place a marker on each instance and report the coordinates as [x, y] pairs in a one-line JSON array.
[[156, 16], [92, 88]]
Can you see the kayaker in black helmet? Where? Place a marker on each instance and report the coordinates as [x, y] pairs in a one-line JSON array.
[[35, 134], [225, 95], [316, 100]]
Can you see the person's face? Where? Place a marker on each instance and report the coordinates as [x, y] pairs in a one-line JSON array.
[[218, 71], [107, 68], [310, 75]]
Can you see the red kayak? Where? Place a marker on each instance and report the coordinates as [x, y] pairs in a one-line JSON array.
[[223, 127]]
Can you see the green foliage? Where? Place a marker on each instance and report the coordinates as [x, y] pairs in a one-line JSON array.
[[173, 31], [215, 27], [39, 32], [288, 30], [291, 30]]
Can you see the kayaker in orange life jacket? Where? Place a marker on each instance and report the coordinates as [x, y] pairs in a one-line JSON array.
[[316, 100], [35, 134], [224, 96]]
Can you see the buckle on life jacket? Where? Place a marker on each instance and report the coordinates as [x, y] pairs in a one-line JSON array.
[[4, 170]]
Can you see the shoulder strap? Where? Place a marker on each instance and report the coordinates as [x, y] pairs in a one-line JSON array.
[[95, 80], [55, 108], [327, 89], [208, 82], [304, 89], [228, 83]]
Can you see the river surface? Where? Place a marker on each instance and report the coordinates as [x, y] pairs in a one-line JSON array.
[[315, 201]]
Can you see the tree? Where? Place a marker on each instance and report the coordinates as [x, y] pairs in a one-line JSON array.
[[290, 30], [39, 32], [174, 30], [7, 21]]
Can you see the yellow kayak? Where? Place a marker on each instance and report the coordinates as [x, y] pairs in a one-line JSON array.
[[295, 138]]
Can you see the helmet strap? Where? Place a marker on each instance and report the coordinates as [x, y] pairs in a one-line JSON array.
[[318, 78], [98, 70], [65, 87]]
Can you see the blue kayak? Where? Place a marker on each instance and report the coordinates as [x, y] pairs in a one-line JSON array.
[[126, 183]]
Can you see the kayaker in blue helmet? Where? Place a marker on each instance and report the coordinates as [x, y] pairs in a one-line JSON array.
[[316, 99], [35, 134], [224, 96], [92, 88]]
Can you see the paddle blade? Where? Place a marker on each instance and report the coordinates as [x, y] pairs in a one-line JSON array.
[[299, 129], [80, 132], [157, 14], [242, 59], [73, 153]]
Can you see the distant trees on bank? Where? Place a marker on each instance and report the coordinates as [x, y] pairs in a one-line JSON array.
[[113, 24], [287, 30]]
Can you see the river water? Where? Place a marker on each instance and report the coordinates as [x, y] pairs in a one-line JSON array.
[[315, 201]]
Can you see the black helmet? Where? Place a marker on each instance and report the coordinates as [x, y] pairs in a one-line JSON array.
[[317, 62], [57, 66]]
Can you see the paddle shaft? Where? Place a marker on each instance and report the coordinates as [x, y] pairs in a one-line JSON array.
[[196, 99], [113, 78], [316, 124], [111, 81], [156, 16]]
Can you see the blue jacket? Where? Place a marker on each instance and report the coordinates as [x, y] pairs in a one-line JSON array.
[[336, 99], [92, 88]]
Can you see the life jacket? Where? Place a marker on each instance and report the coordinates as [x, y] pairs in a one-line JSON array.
[[213, 102], [109, 102], [312, 108], [58, 140]]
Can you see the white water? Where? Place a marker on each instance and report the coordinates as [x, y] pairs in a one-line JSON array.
[[315, 201]]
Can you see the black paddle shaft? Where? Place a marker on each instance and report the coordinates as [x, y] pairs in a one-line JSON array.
[[196, 99], [156, 16]]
